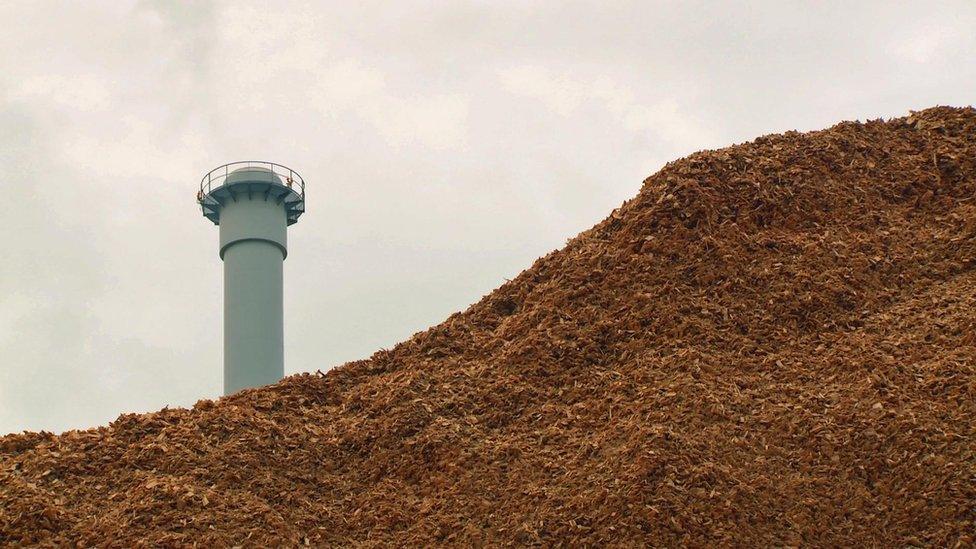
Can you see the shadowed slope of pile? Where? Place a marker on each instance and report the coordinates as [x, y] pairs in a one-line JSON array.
[[772, 344]]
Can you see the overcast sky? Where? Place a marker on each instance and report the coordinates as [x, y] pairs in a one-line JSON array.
[[445, 145]]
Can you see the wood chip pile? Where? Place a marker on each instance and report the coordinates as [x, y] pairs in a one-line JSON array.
[[772, 344]]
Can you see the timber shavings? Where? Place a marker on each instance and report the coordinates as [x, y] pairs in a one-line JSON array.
[[773, 344]]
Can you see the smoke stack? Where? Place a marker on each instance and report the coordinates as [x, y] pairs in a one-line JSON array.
[[253, 203]]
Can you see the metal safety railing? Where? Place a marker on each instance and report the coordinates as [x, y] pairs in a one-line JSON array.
[[216, 176]]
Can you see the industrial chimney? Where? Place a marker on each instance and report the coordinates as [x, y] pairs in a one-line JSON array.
[[253, 203]]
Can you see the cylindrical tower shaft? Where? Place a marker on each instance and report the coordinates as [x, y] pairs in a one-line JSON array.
[[253, 314], [253, 208]]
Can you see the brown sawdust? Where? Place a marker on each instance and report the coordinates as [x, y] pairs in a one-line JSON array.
[[772, 344]]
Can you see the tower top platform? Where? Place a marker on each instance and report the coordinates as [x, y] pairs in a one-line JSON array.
[[250, 178]]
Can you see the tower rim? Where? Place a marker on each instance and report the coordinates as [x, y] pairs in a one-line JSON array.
[[275, 180]]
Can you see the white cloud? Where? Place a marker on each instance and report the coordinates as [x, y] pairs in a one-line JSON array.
[[437, 121], [927, 41], [560, 94], [84, 92], [566, 95]]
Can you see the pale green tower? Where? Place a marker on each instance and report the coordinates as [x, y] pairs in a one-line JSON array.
[[253, 203]]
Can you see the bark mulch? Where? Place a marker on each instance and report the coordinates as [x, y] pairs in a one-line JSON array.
[[772, 344]]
